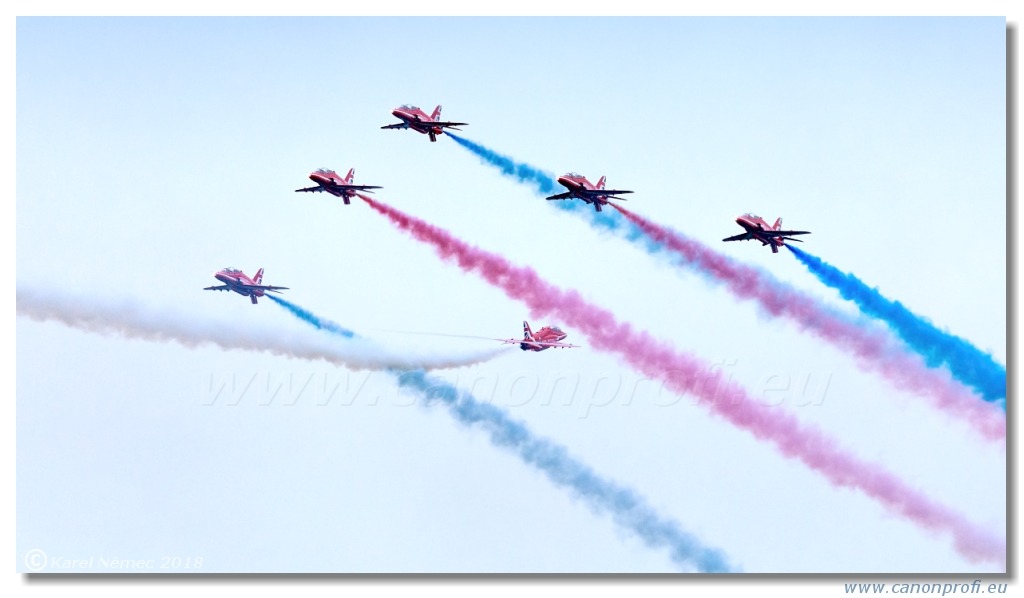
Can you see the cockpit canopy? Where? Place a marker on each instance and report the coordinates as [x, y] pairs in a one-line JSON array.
[[751, 216], [232, 270], [409, 107], [556, 329], [324, 171], [574, 175]]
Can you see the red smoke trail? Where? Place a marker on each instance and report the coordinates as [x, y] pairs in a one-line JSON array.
[[686, 374], [875, 349]]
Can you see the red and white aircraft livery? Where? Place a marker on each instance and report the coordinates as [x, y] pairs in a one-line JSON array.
[[579, 187], [329, 181], [756, 228], [545, 338], [417, 120], [237, 281]]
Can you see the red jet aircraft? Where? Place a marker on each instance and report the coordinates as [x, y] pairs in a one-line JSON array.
[[545, 338], [756, 228], [329, 181], [417, 120], [237, 281], [580, 188]]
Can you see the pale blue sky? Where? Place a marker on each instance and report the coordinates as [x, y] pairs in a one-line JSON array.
[[151, 152]]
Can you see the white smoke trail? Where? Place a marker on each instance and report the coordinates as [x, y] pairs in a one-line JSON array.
[[130, 319]]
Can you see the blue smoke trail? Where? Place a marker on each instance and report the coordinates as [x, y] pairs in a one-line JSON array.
[[308, 317], [546, 184], [627, 508], [968, 364]]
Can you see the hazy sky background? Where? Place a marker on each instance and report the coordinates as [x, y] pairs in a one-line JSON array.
[[152, 152]]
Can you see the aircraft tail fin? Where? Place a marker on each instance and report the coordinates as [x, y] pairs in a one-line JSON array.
[[778, 224], [600, 183], [527, 333], [258, 279], [436, 114], [350, 176]]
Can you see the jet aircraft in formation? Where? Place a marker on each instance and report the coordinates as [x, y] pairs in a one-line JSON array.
[[239, 282], [580, 188], [756, 228], [417, 120], [577, 185], [545, 338], [328, 181]]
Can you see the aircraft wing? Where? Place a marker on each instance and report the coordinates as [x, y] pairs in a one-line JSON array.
[[222, 287], [560, 196], [311, 190], [546, 344], [602, 192], [260, 287], [782, 233], [740, 237], [559, 345], [519, 341], [357, 187], [401, 125], [450, 125]]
